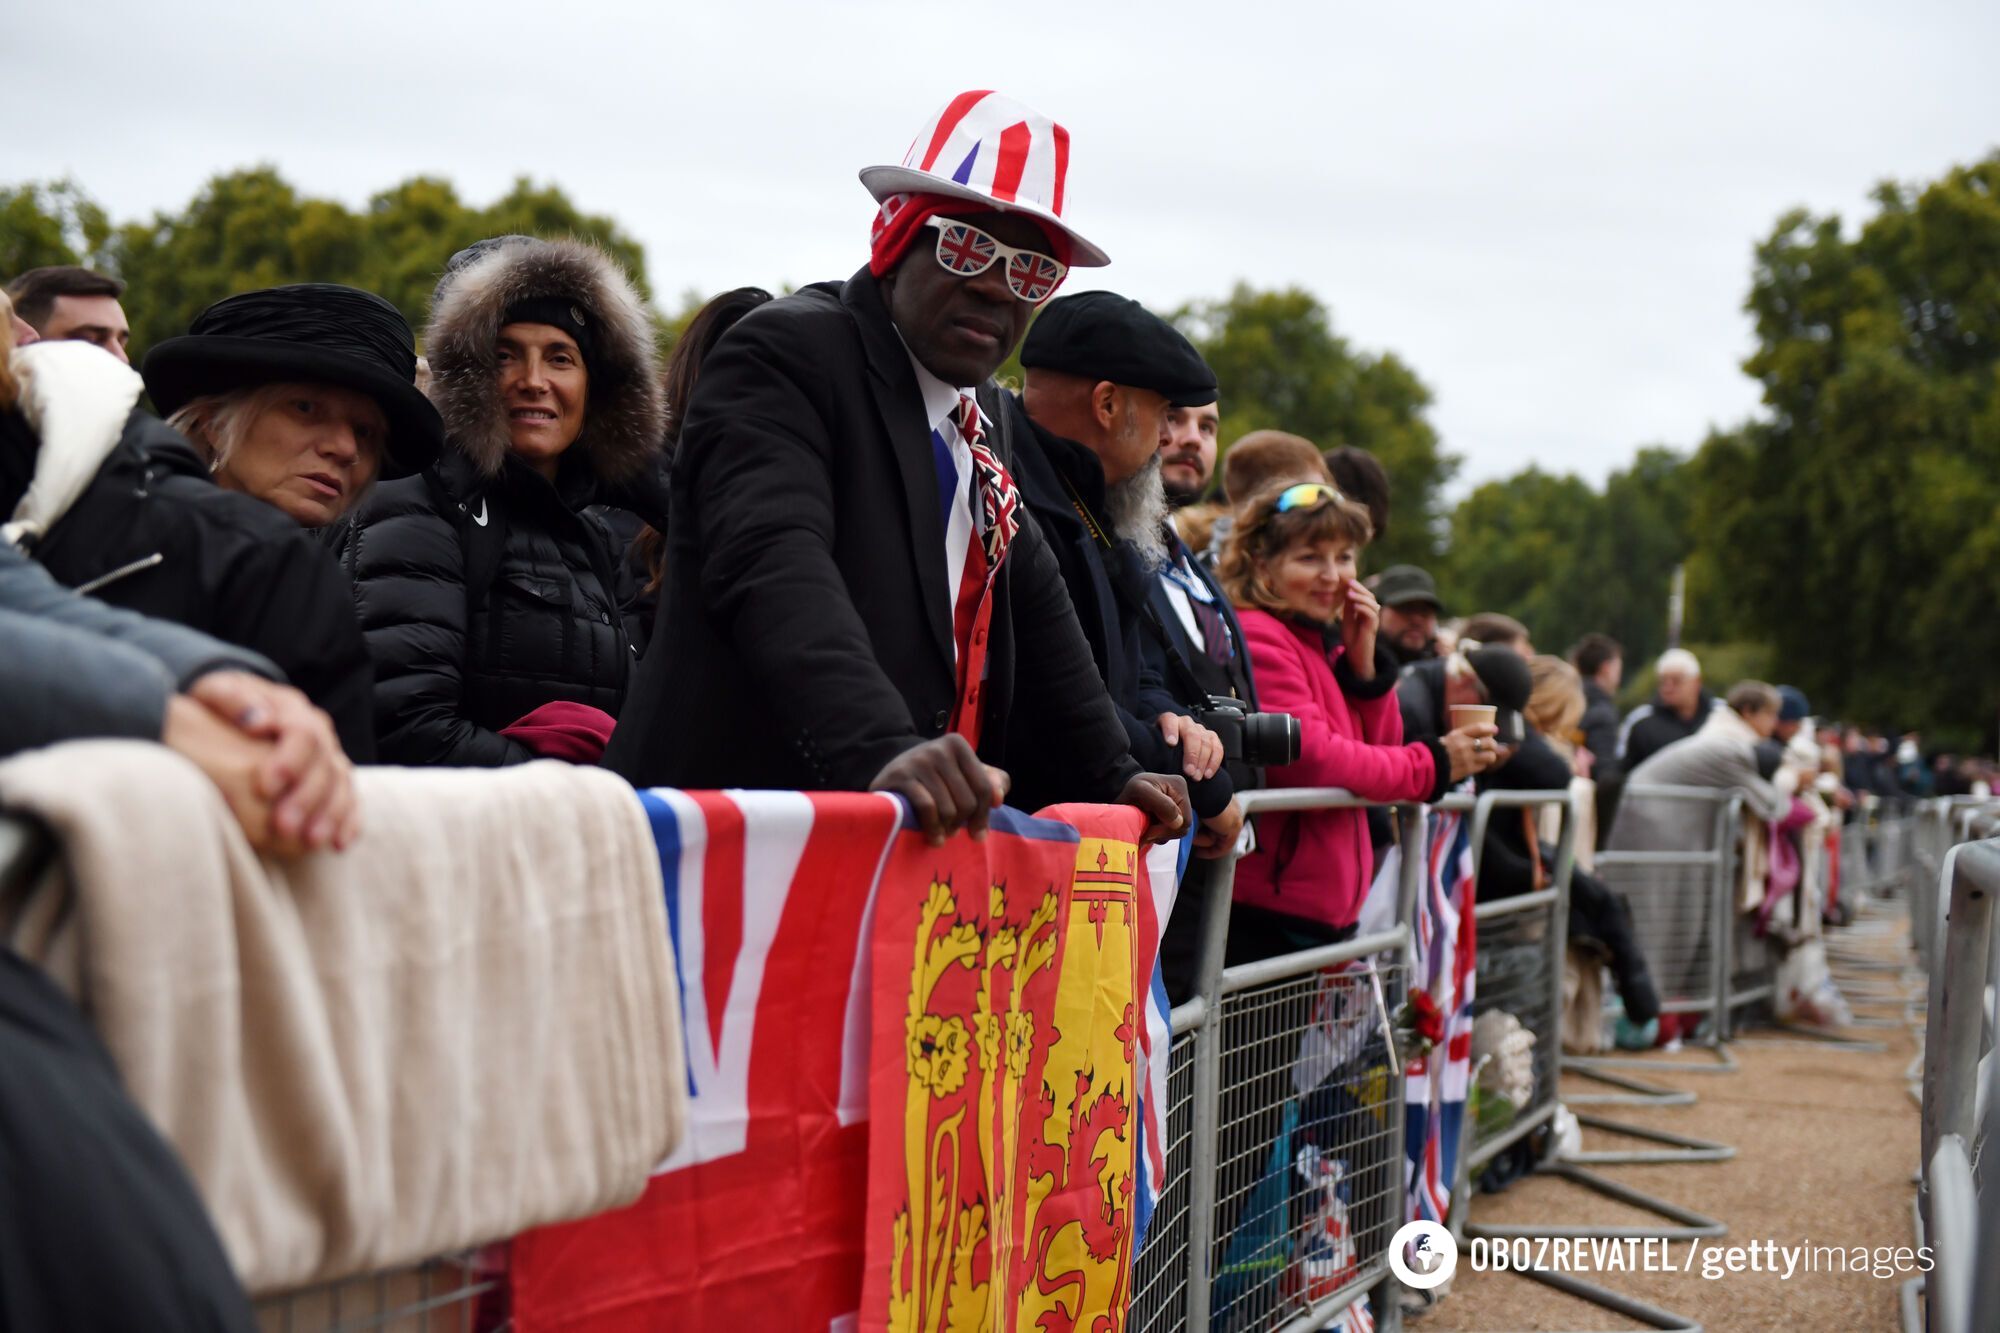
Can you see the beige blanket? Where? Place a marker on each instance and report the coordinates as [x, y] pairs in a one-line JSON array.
[[465, 1025]]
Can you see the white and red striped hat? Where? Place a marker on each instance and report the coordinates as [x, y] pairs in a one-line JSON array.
[[989, 149]]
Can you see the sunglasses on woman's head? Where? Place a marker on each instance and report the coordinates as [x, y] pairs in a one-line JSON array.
[[1305, 495], [967, 251]]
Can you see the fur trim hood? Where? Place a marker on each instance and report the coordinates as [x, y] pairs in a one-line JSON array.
[[625, 418]]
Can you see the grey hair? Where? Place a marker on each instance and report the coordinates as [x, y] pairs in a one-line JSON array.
[[1753, 696], [216, 423], [1137, 512]]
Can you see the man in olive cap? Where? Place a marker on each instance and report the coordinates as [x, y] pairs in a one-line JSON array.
[[1410, 611]]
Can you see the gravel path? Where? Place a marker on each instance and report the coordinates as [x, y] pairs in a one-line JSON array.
[[1826, 1143]]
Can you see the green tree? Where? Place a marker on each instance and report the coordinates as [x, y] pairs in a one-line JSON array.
[[1282, 366], [251, 228], [56, 223], [1565, 559], [1516, 547], [1857, 530]]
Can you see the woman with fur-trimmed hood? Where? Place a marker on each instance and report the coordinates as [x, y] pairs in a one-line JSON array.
[[487, 592]]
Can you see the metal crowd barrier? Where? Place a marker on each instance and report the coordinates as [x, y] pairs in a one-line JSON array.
[[1230, 1083], [1938, 825], [1959, 1215], [1683, 905], [1231, 1078], [1519, 970]]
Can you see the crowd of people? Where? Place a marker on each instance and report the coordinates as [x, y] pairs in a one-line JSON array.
[[818, 548]]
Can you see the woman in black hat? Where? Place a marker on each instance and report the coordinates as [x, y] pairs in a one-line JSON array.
[[298, 396], [114, 503], [488, 592]]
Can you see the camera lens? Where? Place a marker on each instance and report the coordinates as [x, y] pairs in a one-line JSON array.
[[1270, 739]]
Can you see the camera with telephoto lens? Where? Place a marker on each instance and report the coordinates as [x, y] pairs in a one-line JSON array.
[[1261, 740]]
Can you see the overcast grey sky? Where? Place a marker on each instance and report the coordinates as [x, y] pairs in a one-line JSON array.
[[1547, 209]]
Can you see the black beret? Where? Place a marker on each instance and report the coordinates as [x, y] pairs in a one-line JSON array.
[[1103, 336]]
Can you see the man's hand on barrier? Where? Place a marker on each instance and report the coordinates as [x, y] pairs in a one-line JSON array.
[[1219, 832], [1201, 749], [1471, 750], [948, 788], [306, 776], [1163, 799]]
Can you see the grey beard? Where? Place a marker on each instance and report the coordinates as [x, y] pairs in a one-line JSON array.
[[1137, 511]]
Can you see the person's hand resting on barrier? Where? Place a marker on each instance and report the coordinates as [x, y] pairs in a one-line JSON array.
[[1163, 799], [303, 777], [947, 786], [1218, 833], [230, 759], [1471, 750], [1201, 749]]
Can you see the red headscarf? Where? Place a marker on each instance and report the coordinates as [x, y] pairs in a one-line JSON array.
[[901, 217]]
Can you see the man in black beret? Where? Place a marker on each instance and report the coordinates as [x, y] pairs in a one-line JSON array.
[[1103, 373]]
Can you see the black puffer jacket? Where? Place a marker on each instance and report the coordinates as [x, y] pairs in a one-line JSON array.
[[468, 638]]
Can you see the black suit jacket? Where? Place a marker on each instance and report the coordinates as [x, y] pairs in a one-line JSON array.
[[1217, 678], [804, 638]]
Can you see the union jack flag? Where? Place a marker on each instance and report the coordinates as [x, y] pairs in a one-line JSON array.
[[1436, 1083]]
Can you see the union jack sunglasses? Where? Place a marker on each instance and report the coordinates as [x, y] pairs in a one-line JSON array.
[[967, 251]]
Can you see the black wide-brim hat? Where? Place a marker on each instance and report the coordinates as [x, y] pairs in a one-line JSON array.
[[312, 332]]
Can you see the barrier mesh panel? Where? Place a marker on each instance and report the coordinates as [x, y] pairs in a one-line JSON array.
[[1306, 1101], [1671, 906], [1513, 978], [1159, 1276]]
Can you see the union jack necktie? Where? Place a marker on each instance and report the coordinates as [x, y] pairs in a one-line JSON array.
[[1000, 502]]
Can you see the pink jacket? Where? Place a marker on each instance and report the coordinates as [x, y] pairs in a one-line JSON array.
[[1317, 864]]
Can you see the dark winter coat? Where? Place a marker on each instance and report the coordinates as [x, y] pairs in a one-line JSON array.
[[103, 1231], [1652, 727], [1599, 725], [167, 542], [1107, 586], [485, 590], [805, 633]]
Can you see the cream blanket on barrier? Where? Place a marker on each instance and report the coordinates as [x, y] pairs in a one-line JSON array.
[[465, 1025]]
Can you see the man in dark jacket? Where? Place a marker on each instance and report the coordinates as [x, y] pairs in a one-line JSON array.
[[1600, 660], [839, 612], [1102, 373], [1427, 691], [113, 503], [1679, 707]]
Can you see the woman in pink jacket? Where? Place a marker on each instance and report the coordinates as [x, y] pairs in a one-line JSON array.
[[1311, 630]]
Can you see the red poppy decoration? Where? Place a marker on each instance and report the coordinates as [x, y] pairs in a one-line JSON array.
[[1426, 1020]]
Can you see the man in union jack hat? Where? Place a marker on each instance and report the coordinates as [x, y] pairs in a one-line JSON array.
[[855, 594]]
